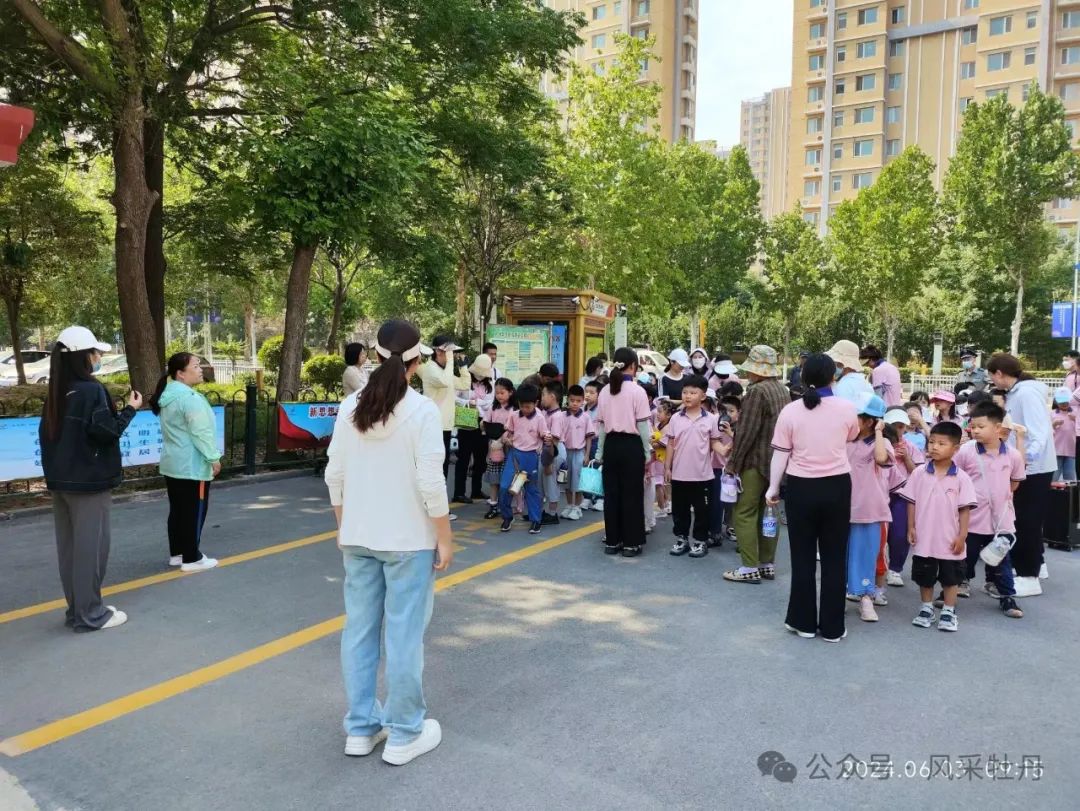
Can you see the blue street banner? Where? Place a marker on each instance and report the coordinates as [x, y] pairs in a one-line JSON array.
[[1061, 320], [20, 450], [305, 426], [558, 347]]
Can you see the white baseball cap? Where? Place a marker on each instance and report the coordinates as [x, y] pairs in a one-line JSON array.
[[679, 356], [79, 339]]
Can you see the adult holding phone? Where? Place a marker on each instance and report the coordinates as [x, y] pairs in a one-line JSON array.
[[80, 455], [190, 458], [384, 474]]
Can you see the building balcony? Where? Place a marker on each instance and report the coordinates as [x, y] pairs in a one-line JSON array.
[[1066, 35], [688, 10], [686, 121], [690, 68], [689, 39]]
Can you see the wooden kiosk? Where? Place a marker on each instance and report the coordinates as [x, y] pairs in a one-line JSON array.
[[578, 319]]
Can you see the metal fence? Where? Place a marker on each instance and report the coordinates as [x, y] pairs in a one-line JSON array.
[[932, 383], [227, 371]]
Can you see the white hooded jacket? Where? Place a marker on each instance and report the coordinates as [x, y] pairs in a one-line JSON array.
[[389, 480]]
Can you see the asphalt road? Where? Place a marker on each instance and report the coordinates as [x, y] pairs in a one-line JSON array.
[[563, 678]]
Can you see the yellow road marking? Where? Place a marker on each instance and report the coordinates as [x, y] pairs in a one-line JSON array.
[[111, 710], [165, 577]]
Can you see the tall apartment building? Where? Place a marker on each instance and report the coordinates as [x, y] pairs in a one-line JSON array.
[[870, 78], [765, 135], [674, 25]]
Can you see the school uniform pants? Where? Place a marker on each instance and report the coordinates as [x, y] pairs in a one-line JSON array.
[[899, 547], [719, 510], [864, 545], [819, 516], [551, 480], [82, 551], [188, 503], [1000, 575], [687, 497], [754, 548], [624, 490], [472, 446], [527, 462], [1030, 501]]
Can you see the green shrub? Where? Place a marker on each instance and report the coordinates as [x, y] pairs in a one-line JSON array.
[[270, 353], [324, 372]]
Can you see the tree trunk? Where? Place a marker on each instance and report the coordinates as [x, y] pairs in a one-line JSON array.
[[1014, 341], [132, 200], [787, 343], [890, 337], [154, 271], [249, 331], [485, 297], [459, 315], [296, 313], [13, 325], [335, 320]]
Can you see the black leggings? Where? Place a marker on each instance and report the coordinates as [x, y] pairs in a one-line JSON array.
[[1031, 501], [624, 490], [818, 515], [471, 445], [188, 503]]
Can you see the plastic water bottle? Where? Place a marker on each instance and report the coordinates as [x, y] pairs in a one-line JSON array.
[[769, 522]]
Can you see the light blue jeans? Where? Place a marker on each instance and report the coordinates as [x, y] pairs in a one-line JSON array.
[[864, 545], [398, 587]]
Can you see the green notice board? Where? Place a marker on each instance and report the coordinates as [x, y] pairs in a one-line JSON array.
[[521, 349]]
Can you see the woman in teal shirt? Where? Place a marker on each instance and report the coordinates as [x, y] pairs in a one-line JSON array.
[[190, 458]]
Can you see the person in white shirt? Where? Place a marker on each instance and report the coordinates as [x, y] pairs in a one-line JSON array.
[[442, 378], [389, 498], [492, 351], [850, 380], [354, 378]]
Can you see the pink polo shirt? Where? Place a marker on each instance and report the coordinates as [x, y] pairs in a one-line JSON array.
[[893, 479], [620, 413], [1065, 433], [689, 439], [555, 425], [528, 431], [719, 460], [500, 416], [885, 380], [817, 438], [576, 429], [915, 454], [938, 502], [715, 383], [869, 484], [1003, 466]]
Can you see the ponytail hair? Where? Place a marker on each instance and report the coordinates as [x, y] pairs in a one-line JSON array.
[[397, 346], [176, 364], [818, 372], [625, 363], [64, 368]]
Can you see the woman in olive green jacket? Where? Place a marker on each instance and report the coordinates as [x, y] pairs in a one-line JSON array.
[[190, 458]]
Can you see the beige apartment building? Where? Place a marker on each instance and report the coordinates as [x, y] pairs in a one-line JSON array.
[[674, 24], [871, 77], [766, 134]]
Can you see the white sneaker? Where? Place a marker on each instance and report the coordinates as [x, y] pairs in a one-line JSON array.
[[879, 597], [430, 737], [117, 619], [176, 560], [795, 630], [894, 578], [453, 517], [1044, 573], [598, 505], [200, 565], [586, 504], [361, 745], [1028, 587], [575, 514], [567, 513]]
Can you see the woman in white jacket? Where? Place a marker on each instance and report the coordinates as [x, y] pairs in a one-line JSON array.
[[389, 496]]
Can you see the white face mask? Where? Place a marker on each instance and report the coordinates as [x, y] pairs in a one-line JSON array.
[[962, 409], [967, 363], [697, 363]]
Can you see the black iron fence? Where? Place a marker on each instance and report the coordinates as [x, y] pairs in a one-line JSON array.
[[250, 442]]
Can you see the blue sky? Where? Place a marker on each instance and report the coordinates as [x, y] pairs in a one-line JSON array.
[[744, 49]]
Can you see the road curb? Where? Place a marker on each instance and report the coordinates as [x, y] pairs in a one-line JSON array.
[[154, 495]]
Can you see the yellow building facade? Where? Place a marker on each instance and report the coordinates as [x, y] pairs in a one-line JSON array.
[[765, 134], [870, 78], [674, 24]]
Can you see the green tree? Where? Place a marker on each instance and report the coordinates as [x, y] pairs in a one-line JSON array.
[[1009, 163], [885, 242], [794, 265]]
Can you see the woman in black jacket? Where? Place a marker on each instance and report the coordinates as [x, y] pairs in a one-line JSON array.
[[80, 455]]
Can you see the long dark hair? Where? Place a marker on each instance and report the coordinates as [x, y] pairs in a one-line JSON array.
[[177, 363], [627, 357], [1008, 365], [505, 383], [387, 385], [818, 372], [64, 368]]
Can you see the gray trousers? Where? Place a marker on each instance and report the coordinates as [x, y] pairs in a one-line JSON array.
[[82, 550]]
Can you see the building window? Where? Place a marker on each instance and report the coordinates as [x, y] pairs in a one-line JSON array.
[[642, 32], [841, 20], [811, 188], [892, 147], [817, 61], [815, 93], [643, 66], [1000, 25], [969, 35], [1060, 202], [837, 182], [617, 7], [598, 68], [971, 3], [864, 115], [817, 30], [1025, 91], [897, 15], [868, 16], [813, 125], [1029, 55], [892, 115], [813, 157], [642, 8], [840, 87], [862, 180], [838, 119], [1069, 92], [896, 48], [967, 70], [1071, 55], [964, 102], [815, 3], [997, 91], [865, 50], [863, 149], [841, 53], [1070, 19], [1071, 127], [599, 40], [599, 12], [837, 151], [865, 82], [896, 81], [811, 217], [999, 60], [1032, 19]]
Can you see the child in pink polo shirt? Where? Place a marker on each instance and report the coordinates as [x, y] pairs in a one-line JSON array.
[[554, 452], [690, 437], [662, 416], [868, 452], [940, 498], [524, 436], [494, 427], [720, 511], [1064, 422], [943, 406], [592, 399], [575, 432]]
